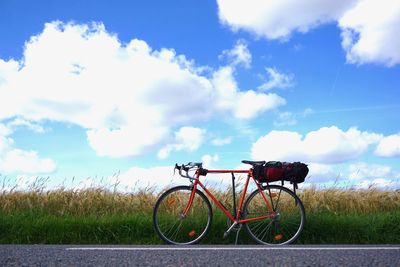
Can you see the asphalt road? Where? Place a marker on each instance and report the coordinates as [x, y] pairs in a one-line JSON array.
[[69, 255]]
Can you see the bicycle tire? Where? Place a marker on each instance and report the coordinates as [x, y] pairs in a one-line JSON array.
[[190, 229], [286, 227]]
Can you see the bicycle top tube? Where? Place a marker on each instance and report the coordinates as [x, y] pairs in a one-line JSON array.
[[197, 170], [229, 171]]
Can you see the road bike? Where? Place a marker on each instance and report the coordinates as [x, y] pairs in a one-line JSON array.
[[271, 214]]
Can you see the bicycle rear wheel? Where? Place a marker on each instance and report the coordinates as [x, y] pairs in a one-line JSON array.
[[170, 223], [288, 219]]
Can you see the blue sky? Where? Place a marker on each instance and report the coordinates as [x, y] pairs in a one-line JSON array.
[[89, 89]]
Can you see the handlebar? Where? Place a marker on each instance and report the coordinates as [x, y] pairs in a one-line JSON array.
[[186, 168]]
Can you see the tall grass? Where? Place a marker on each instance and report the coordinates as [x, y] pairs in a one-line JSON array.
[[335, 201], [100, 215]]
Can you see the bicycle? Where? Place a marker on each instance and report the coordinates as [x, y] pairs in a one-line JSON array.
[[271, 214]]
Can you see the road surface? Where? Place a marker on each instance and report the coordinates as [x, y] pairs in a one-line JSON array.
[[70, 255]]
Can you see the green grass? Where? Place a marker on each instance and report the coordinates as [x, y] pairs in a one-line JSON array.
[[45, 229], [322, 228], [374, 228]]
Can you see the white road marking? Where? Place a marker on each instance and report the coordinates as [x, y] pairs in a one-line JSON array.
[[232, 248]]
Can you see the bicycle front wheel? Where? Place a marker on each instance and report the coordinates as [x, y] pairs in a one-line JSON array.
[[287, 216], [172, 225]]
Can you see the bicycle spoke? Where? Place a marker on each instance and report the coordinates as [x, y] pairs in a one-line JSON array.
[[172, 227], [259, 229], [277, 201], [266, 230], [177, 229], [264, 223]]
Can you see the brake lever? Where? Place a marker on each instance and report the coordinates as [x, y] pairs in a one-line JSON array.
[[176, 167]]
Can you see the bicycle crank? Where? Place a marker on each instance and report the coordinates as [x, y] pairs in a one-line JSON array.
[[230, 229], [229, 224]]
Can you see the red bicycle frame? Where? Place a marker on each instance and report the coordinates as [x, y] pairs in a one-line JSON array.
[[220, 206]]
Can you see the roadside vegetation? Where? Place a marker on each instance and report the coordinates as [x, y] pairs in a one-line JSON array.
[[104, 216]]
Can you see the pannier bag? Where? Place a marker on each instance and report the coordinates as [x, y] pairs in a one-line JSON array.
[[295, 172], [273, 171]]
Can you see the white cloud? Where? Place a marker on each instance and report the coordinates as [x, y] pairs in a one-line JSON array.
[[251, 103], [277, 80], [5, 141], [222, 141], [209, 160], [367, 27], [137, 178], [128, 97], [290, 118], [17, 160], [326, 145], [243, 105], [389, 146], [285, 118], [365, 171], [364, 175], [369, 30], [8, 70], [278, 19], [186, 138], [190, 138], [14, 160], [320, 173], [238, 55], [123, 142], [20, 122]]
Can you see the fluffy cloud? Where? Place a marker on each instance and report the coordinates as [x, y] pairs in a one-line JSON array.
[[320, 173], [243, 105], [222, 141], [128, 97], [18, 160], [22, 123], [276, 80], [362, 170], [238, 55], [368, 31], [389, 146], [326, 145], [290, 118], [137, 178], [14, 160], [5, 141], [187, 138], [364, 175], [209, 160], [278, 19], [285, 118], [367, 26]]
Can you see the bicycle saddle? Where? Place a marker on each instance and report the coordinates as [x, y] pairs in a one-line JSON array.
[[253, 162]]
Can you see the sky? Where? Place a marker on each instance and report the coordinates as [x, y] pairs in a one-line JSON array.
[[105, 92]]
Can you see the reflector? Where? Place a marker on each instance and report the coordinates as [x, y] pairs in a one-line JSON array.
[[192, 233]]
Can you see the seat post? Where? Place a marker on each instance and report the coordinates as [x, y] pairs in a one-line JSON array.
[[234, 195]]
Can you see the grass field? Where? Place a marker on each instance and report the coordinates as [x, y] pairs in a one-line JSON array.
[[100, 216]]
